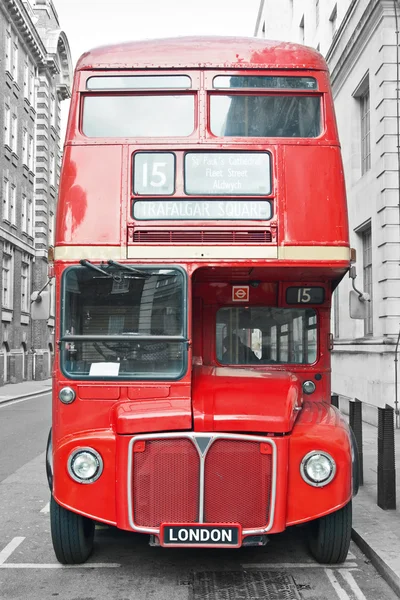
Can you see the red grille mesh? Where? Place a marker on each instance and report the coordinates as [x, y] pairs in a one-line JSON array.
[[149, 236], [237, 484], [166, 483]]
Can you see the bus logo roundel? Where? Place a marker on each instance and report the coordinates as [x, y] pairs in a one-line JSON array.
[[240, 293]]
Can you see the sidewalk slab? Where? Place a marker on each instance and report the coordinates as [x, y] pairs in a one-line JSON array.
[[377, 531], [15, 391]]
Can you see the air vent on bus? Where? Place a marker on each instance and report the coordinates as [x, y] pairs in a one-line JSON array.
[[180, 236]]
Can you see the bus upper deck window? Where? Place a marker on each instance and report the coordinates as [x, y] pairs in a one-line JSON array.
[[138, 115], [258, 115], [271, 82], [140, 82]]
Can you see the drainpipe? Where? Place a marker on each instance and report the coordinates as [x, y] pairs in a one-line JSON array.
[[396, 360]]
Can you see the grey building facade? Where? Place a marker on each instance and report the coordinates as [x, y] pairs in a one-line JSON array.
[[35, 77], [360, 42]]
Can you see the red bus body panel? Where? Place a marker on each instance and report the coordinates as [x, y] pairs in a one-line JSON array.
[[262, 421]]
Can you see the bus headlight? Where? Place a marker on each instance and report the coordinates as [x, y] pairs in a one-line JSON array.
[[309, 387], [66, 395], [85, 465], [318, 468]]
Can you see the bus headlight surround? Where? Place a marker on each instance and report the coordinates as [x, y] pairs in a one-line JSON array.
[[318, 468], [66, 395], [85, 465]]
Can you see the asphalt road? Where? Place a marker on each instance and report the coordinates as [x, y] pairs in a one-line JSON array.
[[123, 565], [24, 427]]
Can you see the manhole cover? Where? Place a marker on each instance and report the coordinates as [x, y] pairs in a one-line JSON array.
[[243, 585]]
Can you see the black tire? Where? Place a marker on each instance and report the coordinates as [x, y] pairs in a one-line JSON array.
[[329, 536], [72, 535], [49, 461]]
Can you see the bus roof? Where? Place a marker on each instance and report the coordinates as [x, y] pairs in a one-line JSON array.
[[203, 52]]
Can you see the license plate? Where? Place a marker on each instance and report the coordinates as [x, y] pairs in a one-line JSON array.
[[209, 535]]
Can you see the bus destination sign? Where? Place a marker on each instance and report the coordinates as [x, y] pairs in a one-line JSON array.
[[228, 173], [206, 210], [305, 295]]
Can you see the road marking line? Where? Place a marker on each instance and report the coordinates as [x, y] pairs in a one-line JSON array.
[[351, 555], [46, 509], [347, 565], [9, 549], [342, 594], [353, 584], [7, 403], [58, 566]]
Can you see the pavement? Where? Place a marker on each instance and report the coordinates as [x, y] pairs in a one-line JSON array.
[[375, 531], [16, 391]]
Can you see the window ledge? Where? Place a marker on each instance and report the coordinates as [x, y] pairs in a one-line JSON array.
[[6, 315], [7, 151], [9, 78]]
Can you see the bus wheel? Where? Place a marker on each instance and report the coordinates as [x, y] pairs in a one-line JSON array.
[[72, 535], [329, 536]]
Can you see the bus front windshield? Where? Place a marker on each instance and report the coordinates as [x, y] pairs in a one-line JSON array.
[[123, 323]]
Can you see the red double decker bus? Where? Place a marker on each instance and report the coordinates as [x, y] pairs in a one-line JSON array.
[[201, 229]]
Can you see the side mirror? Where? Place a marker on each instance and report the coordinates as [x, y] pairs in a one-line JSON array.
[[40, 305], [358, 305]]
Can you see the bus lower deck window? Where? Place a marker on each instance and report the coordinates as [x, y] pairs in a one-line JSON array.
[[266, 335]]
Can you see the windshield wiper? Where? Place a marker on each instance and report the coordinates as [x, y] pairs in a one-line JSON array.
[[86, 263], [138, 273]]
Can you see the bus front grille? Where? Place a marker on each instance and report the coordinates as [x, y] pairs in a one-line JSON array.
[[171, 475], [166, 483], [237, 484]]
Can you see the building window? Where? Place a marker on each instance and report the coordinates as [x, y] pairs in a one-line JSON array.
[[6, 199], [14, 134], [15, 59], [29, 218], [25, 278], [24, 361], [26, 81], [8, 51], [316, 13], [51, 229], [25, 147], [32, 86], [13, 205], [367, 275], [52, 111], [30, 153], [26, 215], [6, 361], [24, 209], [52, 169], [7, 126], [365, 132], [333, 20], [301, 30], [8, 262]]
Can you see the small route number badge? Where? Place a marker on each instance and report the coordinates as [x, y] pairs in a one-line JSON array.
[[240, 293]]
